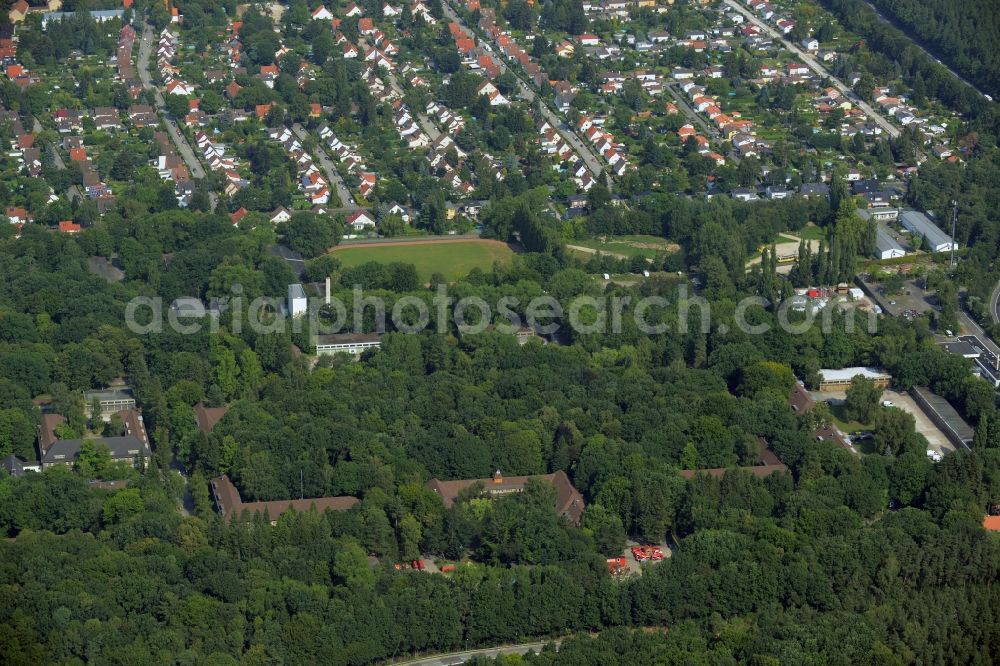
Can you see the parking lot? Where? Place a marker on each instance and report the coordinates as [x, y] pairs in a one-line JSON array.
[[936, 440], [910, 301]]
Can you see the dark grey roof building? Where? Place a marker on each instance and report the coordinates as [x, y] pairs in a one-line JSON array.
[[17, 467], [127, 448], [814, 190]]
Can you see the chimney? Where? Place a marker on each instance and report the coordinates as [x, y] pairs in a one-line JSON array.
[[328, 290]]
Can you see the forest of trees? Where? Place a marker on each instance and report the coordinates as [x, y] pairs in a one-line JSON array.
[[962, 34], [879, 558], [896, 47], [842, 560]]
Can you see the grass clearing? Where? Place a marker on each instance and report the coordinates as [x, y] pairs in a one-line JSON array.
[[810, 232], [630, 246], [837, 410], [453, 259]]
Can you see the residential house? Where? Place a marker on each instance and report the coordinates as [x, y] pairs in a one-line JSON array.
[[360, 220], [321, 13]]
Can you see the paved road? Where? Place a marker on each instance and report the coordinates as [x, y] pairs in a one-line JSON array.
[[995, 304], [811, 62], [429, 128], [920, 46], [972, 328], [490, 653], [528, 94], [145, 48], [989, 368], [690, 112], [332, 175]]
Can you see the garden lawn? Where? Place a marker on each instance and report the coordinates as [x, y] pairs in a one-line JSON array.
[[453, 259]]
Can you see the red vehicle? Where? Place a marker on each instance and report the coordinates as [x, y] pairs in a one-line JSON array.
[[645, 553]]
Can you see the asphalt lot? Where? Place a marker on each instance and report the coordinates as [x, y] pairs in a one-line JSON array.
[[636, 568], [936, 439], [911, 298]]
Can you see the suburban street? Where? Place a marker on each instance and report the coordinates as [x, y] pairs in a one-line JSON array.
[[527, 93], [145, 48], [425, 124], [691, 113], [332, 175], [995, 304], [975, 329], [811, 62], [490, 653]]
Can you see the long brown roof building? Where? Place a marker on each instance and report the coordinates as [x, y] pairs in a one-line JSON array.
[[231, 506], [569, 501]]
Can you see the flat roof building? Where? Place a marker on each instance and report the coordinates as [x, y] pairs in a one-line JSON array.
[[112, 401], [99, 15], [918, 223], [839, 380], [878, 214], [944, 416], [961, 348], [347, 343]]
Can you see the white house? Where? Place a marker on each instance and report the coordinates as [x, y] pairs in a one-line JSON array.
[[359, 220], [298, 304], [810, 44], [321, 13], [279, 215]]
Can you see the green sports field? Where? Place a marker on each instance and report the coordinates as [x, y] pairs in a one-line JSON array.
[[453, 259]]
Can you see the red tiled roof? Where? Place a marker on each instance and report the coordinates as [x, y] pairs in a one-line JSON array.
[[569, 501], [230, 504]]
